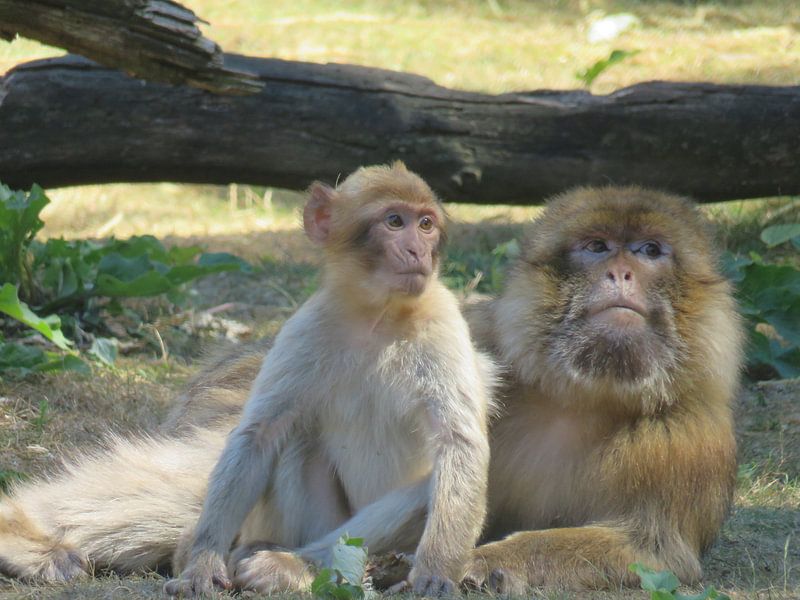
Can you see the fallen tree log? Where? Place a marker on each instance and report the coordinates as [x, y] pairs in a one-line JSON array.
[[69, 121], [151, 39]]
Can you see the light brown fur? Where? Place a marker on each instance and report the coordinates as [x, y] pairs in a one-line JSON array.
[[603, 472], [590, 476]]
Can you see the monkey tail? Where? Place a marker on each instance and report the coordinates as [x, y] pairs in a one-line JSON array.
[[121, 507]]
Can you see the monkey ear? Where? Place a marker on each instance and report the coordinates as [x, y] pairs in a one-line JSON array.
[[317, 212]]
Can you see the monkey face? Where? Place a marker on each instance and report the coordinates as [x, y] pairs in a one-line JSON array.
[[615, 296], [618, 323], [402, 248], [381, 230]]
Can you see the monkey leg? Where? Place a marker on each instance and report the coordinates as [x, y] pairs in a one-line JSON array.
[[269, 569], [303, 502], [577, 558], [121, 508], [392, 523]]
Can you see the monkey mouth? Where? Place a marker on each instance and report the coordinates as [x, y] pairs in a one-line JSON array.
[[419, 271], [620, 306], [411, 282]]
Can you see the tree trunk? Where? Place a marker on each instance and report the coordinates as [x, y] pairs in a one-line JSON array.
[[151, 39], [69, 121]]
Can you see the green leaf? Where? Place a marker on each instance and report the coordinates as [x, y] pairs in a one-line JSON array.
[[733, 266], [219, 259], [104, 350], [183, 255], [63, 362], [655, 581], [119, 276], [350, 561], [587, 76], [323, 582], [17, 356], [778, 234], [122, 276], [20, 212], [17, 360], [49, 327], [354, 542]]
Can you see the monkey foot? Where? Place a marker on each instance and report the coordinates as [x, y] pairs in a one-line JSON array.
[[269, 571], [481, 577], [204, 575]]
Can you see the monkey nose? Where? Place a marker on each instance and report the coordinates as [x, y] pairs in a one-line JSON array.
[[620, 274]]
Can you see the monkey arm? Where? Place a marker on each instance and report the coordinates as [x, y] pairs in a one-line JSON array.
[[589, 557], [458, 487], [391, 523], [239, 478]]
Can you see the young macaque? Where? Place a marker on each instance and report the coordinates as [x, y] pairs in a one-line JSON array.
[[372, 392]]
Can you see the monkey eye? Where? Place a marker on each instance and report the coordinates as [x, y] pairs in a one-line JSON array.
[[426, 224], [650, 249], [394, 221], [596, 246]]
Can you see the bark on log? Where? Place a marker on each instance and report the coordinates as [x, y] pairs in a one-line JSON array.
[[151, 39], [69, 121]]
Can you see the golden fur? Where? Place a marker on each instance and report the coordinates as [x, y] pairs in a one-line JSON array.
[[586, 476]]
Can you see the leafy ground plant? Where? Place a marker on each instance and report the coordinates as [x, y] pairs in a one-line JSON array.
[[59, 287], [343, 580], [769, 298], [663, 585]]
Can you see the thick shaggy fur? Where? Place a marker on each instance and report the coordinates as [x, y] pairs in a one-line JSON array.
[[588, 472], [607, 468]]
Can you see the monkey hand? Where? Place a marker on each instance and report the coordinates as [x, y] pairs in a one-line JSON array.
[[265, 569], [205, 573]]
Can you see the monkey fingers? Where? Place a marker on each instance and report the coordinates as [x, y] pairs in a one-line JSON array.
[[264, 569], [205, 574]]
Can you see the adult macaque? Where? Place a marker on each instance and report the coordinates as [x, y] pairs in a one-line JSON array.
[[622, 349], [371, 391]]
